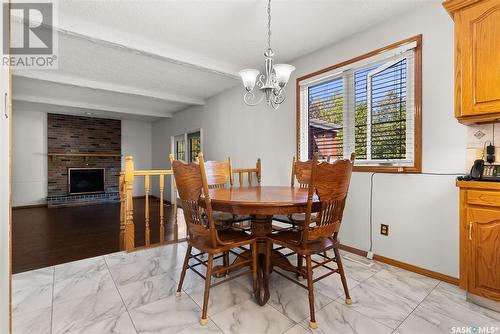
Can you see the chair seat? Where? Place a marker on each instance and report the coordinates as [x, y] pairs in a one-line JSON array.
[[225, 220], [222, 220], [291, 239], [294, 218], [299, 217], [234, 237], [222, 216], [241, 218]]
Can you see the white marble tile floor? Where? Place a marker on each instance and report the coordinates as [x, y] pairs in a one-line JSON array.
[[135, 294]]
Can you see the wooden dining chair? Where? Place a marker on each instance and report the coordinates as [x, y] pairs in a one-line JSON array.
[[301, 175], [192, 186], [218, 174], [219, 177], [327, 193], [252, 173], [253, 177]]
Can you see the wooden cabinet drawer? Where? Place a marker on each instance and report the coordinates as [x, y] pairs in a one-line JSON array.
[[480, 197]]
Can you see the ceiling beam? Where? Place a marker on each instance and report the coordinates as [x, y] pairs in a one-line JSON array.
[[180, 57], [170, 55], [89, 106], [50, 76]]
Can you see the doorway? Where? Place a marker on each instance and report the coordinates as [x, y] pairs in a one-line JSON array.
[[187, 146]]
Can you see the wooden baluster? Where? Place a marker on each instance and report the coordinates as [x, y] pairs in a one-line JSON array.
[[174, 199], [122, 209], [241, 178], [146, 187], [162, 217], [250, 174], [129, 204]]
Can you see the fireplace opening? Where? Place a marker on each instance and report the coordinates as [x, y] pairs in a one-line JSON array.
[[85, 180]]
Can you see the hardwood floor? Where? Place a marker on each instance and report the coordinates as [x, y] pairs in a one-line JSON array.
[[44, 237]]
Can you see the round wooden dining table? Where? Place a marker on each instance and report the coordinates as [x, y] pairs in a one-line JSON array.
[[261, 203]]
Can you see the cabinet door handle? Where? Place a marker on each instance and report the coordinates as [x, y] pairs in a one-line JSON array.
[[5, 105], [470, 230]]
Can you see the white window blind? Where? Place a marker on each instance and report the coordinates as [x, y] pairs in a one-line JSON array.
[[366, 108], [326, 118]]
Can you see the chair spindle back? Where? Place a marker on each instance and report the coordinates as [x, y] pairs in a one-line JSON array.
[[301, 171], [330, 183], [250, 173], [218, 174]]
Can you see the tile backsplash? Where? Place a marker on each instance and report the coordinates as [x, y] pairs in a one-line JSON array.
[[477, 135]]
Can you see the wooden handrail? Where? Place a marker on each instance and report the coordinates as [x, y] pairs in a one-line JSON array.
[[127, 227], [153, 172]]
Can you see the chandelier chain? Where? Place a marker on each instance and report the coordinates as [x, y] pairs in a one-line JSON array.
[[269, 24]]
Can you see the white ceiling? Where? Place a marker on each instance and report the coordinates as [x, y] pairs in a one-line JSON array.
[[148, 58]]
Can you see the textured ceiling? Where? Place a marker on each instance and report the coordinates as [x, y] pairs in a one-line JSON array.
[[234, 31], [159, 57]]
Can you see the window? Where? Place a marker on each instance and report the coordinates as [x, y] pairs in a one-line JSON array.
[[194, 140], [180, 150], [325, 108], [369, 105]]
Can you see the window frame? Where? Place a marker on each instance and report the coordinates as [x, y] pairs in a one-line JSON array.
[[417, 95]]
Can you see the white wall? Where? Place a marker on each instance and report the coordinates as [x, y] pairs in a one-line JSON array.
[[422, 210], [29, 154], [137, 141]]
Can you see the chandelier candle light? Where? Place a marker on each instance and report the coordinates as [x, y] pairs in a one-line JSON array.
[[272, 82]]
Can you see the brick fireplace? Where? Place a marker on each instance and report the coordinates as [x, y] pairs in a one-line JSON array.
[[85, 151]]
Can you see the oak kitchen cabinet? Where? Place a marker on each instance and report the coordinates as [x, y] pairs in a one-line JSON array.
[[480, 239], [477, 60]]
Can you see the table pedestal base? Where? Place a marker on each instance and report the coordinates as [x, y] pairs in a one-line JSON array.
[[261, 226], [262, 203]]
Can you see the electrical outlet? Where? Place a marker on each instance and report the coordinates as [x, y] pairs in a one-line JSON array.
[[384, 229]]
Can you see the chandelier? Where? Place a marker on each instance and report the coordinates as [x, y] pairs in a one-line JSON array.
[[272, 82]]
